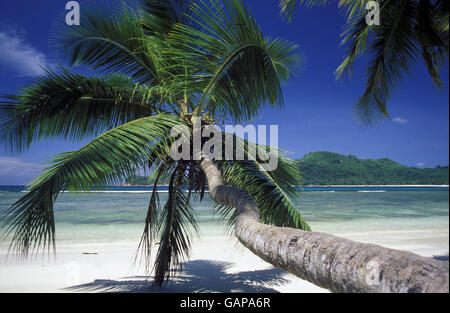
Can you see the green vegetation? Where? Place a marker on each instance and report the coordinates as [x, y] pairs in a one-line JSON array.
[[136, 180], [164, 64], [410, 31], [328, 168]]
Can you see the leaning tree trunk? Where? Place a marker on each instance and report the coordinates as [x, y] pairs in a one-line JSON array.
[[334, 263]]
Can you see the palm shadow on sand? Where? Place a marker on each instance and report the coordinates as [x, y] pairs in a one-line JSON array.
[[196, 276]]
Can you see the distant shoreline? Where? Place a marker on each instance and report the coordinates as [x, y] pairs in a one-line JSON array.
[[311, 186]]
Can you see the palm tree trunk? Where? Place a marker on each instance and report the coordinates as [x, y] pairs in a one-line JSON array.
[[334, 263]]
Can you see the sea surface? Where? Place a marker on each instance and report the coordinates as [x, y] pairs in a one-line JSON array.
[[416, 216]]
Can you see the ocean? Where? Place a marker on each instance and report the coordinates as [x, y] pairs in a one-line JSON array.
[[413, 218]]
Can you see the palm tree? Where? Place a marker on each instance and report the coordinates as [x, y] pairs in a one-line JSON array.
[[409, 30], [167, 64]]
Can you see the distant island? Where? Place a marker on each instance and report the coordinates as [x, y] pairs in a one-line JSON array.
[[330, 168]]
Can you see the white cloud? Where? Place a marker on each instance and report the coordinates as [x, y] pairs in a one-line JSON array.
[[17, 54], [16, 167], [421, 164], [400, 120]]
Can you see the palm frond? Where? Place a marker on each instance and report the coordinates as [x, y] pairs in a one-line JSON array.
[[287, 58], [269, 192], [71, 106], [406, 27], [237, 68], [273, 191], [356, 34], [355, 8], [288, 6], [441, 16], [393, 52], [163, 14], [106, 160], [433, 39], [30, 221], [108, 38], [176, 225], [149, 234]]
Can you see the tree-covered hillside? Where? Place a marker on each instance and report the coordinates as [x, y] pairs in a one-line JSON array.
[[138, 180], [329, 168]]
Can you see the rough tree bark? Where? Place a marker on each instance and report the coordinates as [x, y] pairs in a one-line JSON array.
[[334, 263]]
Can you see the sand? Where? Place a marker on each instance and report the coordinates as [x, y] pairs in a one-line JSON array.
[[217, 264]]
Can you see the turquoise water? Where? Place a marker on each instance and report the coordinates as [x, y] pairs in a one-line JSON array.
[[118, 213]]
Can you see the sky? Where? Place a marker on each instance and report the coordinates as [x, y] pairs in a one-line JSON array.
[[318, 110]]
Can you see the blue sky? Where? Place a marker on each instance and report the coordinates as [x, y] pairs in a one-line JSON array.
[[318, 112]]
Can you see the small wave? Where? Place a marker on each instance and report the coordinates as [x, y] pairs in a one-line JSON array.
[[371, 191]]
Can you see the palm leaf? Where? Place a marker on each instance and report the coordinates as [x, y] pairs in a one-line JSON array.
[[288, 6], [273, 191], [433, 39], [355, 8], [109, 38], [441, 16], [356, 33], [176, 224], [71, 106], [145, 245], [163, 14], [238, 69], [393, 52], [106, 160], [405, 26]]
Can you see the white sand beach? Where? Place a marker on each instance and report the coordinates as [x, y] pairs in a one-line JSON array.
[[98, 234], [217, 264]]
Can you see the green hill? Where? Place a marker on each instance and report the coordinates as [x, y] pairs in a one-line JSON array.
[[138, 180], [329, 168]]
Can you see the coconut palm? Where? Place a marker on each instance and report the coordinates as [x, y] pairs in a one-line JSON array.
[[167, 64], [164, 64], [409, 30]]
